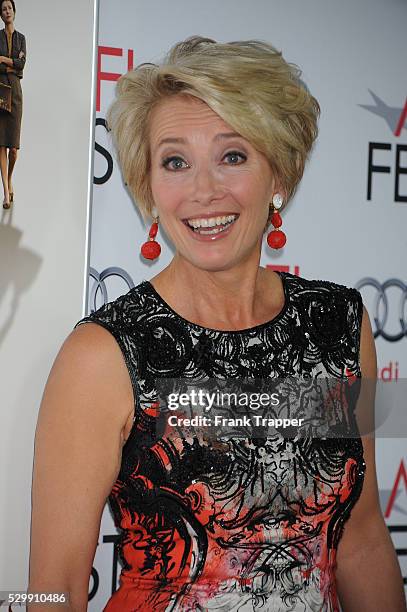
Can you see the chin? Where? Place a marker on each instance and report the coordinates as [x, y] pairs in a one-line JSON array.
[[215, 264]]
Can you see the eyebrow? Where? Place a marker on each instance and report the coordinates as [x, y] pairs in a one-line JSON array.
[[175, 140]]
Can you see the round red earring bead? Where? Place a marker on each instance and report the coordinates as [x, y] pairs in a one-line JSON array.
[[150, 249], [276, 239]]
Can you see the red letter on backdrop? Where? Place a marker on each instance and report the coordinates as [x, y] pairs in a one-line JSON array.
[[106, 76], [402, 120], [283, 268], [130, 59], [401, 474]]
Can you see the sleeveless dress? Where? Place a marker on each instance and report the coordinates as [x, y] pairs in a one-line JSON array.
[[243, 525]]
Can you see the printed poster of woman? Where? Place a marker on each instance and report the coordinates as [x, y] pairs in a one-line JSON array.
[[12, 62]]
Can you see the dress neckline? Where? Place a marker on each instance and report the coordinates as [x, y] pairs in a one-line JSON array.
[[151, 289]]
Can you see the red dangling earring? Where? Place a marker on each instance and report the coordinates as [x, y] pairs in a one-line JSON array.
[[151, 249], [276, 239]]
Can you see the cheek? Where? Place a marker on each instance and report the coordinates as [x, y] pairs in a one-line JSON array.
[[251, 193], [166, 194], [250, 182]]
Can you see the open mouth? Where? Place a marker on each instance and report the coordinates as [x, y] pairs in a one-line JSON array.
[[212, 225]]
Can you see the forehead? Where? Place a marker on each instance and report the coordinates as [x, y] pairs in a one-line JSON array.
[[178, 115]]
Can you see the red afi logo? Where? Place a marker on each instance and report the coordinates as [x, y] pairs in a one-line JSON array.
[[395, 117], [401, 474]]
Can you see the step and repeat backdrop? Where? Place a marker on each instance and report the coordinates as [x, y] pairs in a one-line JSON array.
[[348, 220]]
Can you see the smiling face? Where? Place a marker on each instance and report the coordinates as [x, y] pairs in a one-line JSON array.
[[205, 175], [7, 11]]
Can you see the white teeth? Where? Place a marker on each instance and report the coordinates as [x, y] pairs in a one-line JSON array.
[[212, 221], [215, 230]]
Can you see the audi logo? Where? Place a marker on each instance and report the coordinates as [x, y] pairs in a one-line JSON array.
[[100, 285], [381, 307]]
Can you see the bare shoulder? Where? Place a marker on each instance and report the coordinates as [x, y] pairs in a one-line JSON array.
[[90, 368], [368, 359], [272, 289]]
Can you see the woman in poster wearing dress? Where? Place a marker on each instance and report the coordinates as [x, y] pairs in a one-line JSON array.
[[12, 62]]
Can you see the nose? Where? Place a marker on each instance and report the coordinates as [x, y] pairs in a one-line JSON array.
[[206, 185]]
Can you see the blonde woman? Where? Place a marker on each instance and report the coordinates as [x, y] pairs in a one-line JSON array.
[[212, 143], [12, 61]]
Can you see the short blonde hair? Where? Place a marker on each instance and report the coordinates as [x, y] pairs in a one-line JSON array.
[[247, 83]]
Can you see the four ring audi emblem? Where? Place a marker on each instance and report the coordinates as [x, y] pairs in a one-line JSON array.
[[100, 285], [381, 307]]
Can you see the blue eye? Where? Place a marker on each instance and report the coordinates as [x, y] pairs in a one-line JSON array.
[[168, 160], [236, 154], [177, 161]]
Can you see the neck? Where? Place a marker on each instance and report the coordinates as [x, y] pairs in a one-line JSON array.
[[9, 27], [224, 297]]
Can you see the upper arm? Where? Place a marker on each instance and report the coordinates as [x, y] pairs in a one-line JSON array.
[[86, 403], [369, 498], [367, 508]]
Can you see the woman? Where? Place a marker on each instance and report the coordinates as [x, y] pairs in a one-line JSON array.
[[12, 62], [211, 142]]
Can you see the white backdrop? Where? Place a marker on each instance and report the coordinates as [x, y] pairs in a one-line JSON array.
[[353, 58]]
